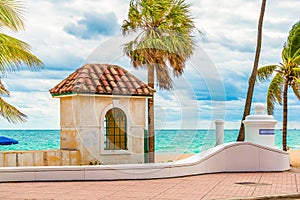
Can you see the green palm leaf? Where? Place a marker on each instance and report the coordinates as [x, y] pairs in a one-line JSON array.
[[275, 92], [10, 113], [264, 73], [14, 52], [295, 72], [296, 89], [3, 90], [12, 14], [297, 59], [292, 46]]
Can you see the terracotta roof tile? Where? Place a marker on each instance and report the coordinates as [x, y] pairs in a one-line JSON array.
[[113, 84], [98, 70], [102, 79], [124, 78], [136, 85], [128, 85], [108, 89], [105, 83], [99, 88], [121, 84], [124, 91], [139, 91], [109, 77], [97, 82], [80, 80], [88, 81], [120, 71], [117, 78], [94, 76]]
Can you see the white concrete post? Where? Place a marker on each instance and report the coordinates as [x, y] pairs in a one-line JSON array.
[[260, 127], [219, 131]]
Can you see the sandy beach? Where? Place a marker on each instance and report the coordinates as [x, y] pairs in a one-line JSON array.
[[165, 157], [295, 158]]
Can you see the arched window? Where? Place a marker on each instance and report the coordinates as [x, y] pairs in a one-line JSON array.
[[115, 126]]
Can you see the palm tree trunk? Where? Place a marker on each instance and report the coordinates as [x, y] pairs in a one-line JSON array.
[[151, 115], [285, 114], [252, 79]]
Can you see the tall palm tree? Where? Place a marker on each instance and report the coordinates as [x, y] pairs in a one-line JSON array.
[[251, 82], [164, 42], [287, 75], [13, 53]]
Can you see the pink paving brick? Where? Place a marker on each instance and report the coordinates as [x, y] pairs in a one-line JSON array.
[[211, 186]]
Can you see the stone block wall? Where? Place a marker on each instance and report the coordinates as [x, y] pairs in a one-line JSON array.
[[39, 158]]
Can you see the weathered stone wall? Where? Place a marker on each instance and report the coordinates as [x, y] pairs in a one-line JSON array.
[[82, 123], [39, 158]]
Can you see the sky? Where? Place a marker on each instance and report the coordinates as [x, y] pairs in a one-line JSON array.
[[65, 34]]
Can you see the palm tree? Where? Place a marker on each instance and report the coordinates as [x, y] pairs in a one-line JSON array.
[[251, 82], [13, 53], [287, 75], [164, 42]]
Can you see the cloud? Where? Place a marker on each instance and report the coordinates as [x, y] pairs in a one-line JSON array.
[[236, 45], [93, 24], [42, 110], [28, 81], [67, 34]]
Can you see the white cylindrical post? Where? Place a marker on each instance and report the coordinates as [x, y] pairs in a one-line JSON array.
[[260, 128], [219, 131]]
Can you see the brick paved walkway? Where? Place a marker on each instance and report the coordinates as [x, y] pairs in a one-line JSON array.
[[211, 186]]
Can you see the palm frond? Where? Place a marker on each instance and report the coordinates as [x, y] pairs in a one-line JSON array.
[[264, 73], [134, 18], [12, 13], [284, 56], [164, 80], [297, 59], [295, 72], [10, 113], [179, 17], [3, 90], [275, 92], [296, 89], [292, 46], [14, 53], [165, 45]]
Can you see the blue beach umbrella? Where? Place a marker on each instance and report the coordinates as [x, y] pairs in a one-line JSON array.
[[7, 141]]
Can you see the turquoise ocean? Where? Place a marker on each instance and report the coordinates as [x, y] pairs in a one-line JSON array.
[[175, 141]]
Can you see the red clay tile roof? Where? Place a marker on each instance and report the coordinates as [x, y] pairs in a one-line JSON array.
[[102, 79]]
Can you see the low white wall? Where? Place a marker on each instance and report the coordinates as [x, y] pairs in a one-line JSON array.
[[232, 157]]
